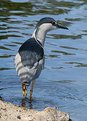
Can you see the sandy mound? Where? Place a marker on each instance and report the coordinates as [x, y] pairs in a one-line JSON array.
[[10, 112]]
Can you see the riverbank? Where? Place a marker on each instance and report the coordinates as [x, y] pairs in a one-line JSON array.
[[10, 112]]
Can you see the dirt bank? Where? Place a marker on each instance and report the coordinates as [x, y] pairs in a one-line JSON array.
[[10, 112]]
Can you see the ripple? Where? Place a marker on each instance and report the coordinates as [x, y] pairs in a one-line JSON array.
[[61, 36], [68, 47], [62, 52], [2, 69], [77, 64], [53, 56], [4, 48], [6, 56]]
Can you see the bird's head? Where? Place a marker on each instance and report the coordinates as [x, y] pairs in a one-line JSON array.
[[43, 26], [48, 23]]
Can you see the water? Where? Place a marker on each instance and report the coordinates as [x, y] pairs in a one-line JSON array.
[[63, 82]]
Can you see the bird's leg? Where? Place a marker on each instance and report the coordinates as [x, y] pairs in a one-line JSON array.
[[24, 89], [31, 89]]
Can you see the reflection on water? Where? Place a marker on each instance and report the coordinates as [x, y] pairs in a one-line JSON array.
[[26, 101], [63, 82]]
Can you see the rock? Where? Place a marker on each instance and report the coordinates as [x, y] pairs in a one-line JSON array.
[[10, 112]]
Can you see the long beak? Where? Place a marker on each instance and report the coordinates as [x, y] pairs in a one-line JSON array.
[[61, 27]]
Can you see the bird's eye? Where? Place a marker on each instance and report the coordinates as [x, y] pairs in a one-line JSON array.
[[53, 23]]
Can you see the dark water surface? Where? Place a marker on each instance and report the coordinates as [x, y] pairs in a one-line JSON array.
[[63, 82]]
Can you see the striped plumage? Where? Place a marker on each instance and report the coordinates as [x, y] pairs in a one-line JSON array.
[[29, 60]]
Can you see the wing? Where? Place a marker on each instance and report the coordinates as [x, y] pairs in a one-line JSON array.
[[29, 60]]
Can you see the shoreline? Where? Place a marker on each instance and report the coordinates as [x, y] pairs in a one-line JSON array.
[[10, 112]]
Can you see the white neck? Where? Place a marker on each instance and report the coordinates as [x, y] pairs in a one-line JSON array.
[[40, 33]]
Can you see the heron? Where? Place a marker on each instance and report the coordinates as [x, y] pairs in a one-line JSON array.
[[29, 59]]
